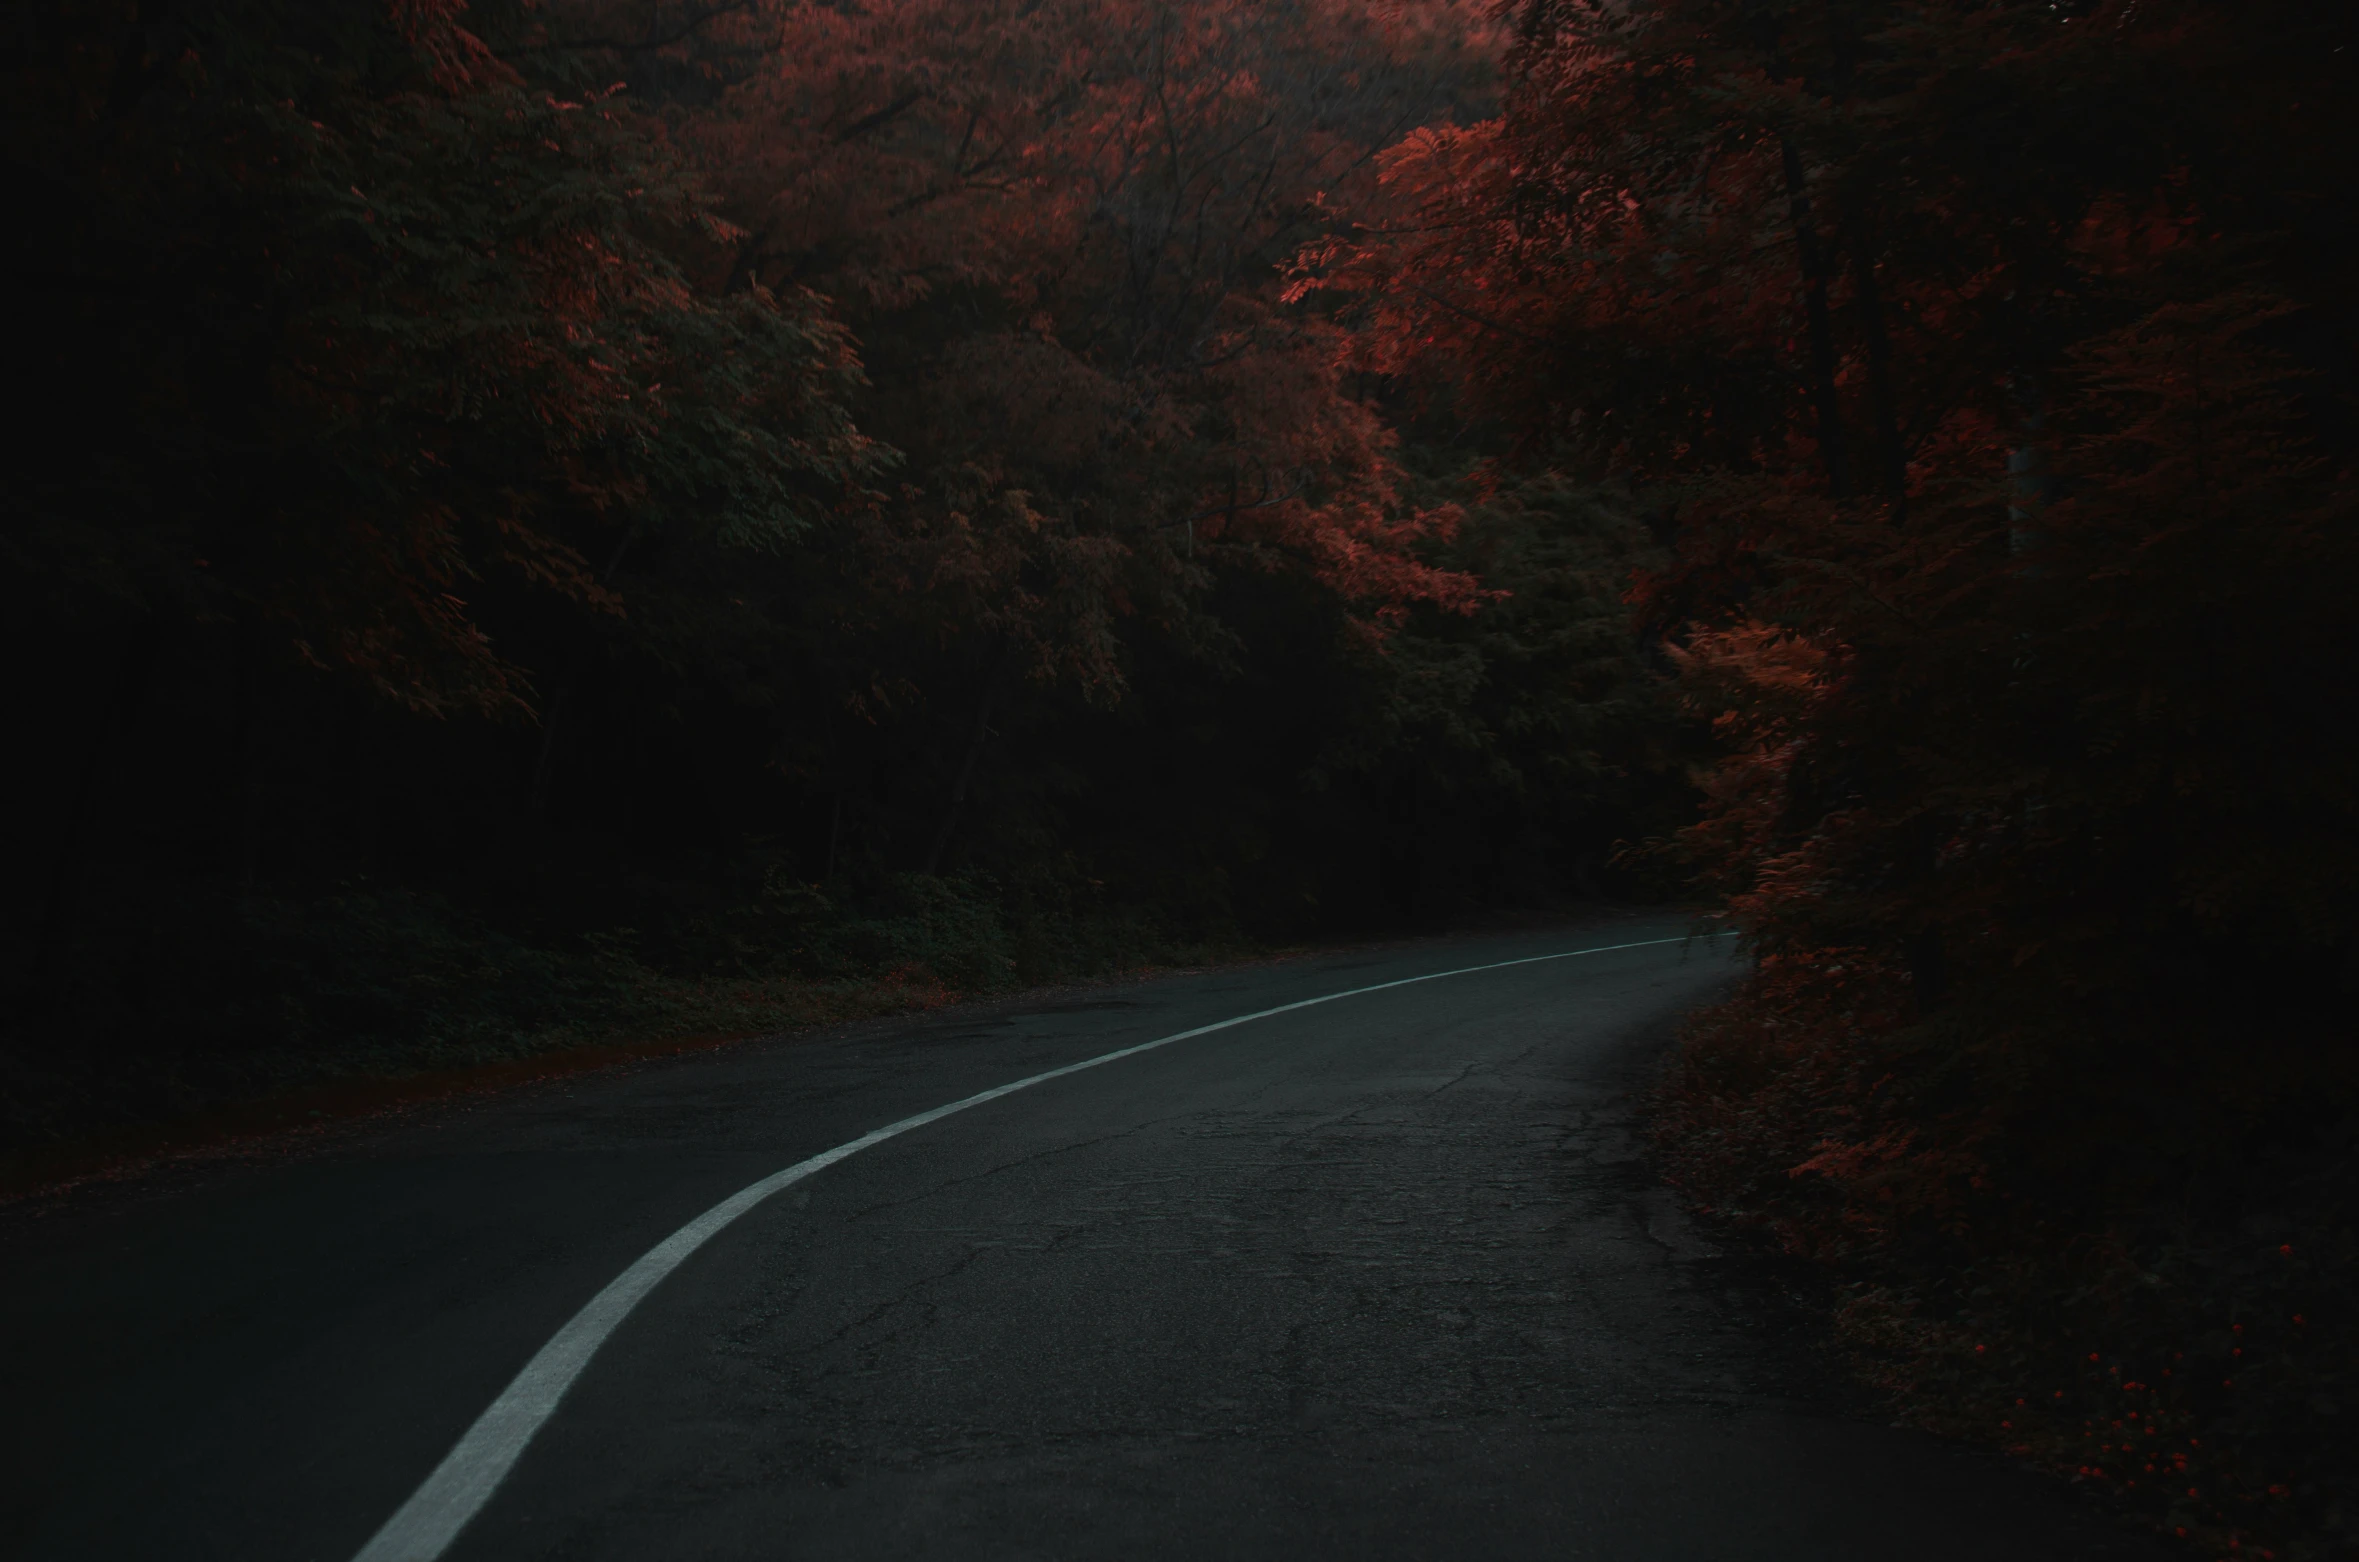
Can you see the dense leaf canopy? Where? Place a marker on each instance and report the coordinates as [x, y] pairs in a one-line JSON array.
[[525, 506]]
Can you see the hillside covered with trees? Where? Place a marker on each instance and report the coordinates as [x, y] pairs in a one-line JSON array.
[[547, 521], [543, 521]]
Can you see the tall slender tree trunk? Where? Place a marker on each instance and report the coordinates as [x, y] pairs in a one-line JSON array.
[[1818, 316], [249, 654], [966, 767], [1927, 953], [68, 866], [835, 832], [544, 763], [2033, 484], [544, 760], [1891, 452]]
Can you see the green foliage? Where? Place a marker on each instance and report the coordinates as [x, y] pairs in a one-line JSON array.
[[209, 996], [456, 527], [1535, 726], [204, 997], [364, 338]]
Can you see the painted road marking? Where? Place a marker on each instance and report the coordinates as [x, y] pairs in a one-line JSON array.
[[425, 1525]]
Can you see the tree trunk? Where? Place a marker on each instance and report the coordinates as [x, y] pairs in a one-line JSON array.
[[1883, 393], [62, 899], [966, 770], [2028, 475], [1834, 454], [537, 798], [249, 748], [835, 833], [1927, 952], [544, 762]]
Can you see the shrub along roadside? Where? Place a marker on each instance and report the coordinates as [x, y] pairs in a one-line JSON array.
[[210, 1000], [2172, 1329]]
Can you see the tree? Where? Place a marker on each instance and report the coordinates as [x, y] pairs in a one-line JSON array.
[[536, 491], [1984, 362], [1057, 231], [342, 330], [400, 323], [1811, 274]]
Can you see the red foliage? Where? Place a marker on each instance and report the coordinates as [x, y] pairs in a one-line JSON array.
[[1060, 224], [1988, 364]]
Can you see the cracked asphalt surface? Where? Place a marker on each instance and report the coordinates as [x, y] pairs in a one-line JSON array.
[[1385, 1278]]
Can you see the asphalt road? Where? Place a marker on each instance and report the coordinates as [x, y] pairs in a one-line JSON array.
[[1378, 1278]]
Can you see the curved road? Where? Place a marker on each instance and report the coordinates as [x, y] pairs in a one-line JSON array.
[[1375, 1278]]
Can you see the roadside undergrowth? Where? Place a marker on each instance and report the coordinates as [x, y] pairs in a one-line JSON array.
[[2165, 1314], [251, 1012]]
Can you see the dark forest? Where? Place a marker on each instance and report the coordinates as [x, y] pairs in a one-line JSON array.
[[545, 524]]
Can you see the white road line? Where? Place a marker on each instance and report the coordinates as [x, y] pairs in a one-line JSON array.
[[425, 1525]]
